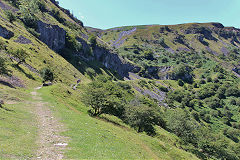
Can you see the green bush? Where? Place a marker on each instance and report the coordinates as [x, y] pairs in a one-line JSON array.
[[202, 81], [238, 102], [183, 72], [195, 85], [161, 41], [162, 88], [125, 86], [148, 55], [28, 9], [207, 118], [180, 122], [176, 95], [104, 96], [143, 117], [207, 91], [195, 115], [233, 91], [209, 79], [233, 102], [164, 60], [72, 43], [47, 74], [180, 82], [214, 102], [221, 92], [10, 16], [30, 21]]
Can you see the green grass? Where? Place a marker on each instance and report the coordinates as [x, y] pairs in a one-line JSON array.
[[91, 138], [17, 128]]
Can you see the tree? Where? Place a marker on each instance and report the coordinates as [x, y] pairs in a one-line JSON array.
[[47, 75], [214, 102], [183, 72], [72, 43], [180, 122], [233, 91], [142, 116], [105, 96], [96, 99]]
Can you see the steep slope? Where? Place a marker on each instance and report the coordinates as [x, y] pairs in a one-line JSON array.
[[213, 39], [159, 92], [191, 69], [40, 35]]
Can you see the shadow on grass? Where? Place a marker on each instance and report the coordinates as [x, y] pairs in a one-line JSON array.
[[111, 121], [21, 70], [6, 109], [82, 64], [7, 84]]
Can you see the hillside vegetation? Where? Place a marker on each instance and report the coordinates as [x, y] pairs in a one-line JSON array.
[[134, 92]]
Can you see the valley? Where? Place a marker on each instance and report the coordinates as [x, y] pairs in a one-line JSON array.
[[132, 92]]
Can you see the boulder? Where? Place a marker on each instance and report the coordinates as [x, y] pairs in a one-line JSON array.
[[23, 40], [47, 84], [114, 62]]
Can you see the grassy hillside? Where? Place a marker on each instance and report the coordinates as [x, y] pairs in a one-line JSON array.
[[180, 100], [197, 63]]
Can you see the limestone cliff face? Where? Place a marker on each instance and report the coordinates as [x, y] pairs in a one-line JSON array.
[[114, 62], [5, 33], [52, 35]]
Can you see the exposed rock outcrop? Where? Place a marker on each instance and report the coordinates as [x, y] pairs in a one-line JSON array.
[[163, 29], [157, 72], [23, 40], [180, 39], [11, 81], [200, 38], [114, 62], [5, 33], [52, 35], [206, 32], [7, 7], [237, 70]]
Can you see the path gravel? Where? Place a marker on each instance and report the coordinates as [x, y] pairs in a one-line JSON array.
[[51, 144]]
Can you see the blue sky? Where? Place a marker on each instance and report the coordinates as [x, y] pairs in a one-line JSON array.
[[113, 13]]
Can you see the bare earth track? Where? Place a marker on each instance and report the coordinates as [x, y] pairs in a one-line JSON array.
[[51, 144]]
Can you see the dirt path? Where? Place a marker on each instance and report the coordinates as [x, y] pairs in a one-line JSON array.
[[50, 144]]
